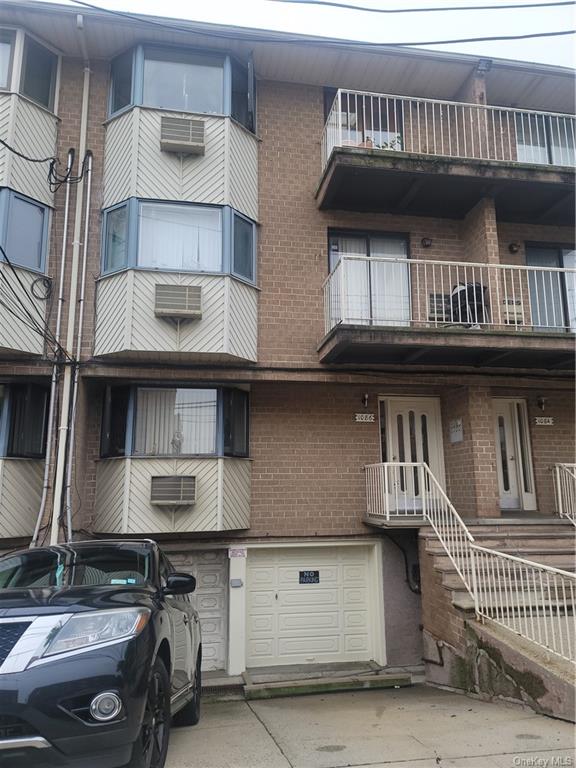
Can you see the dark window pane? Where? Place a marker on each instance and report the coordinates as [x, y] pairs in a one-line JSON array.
[[121, 82], [113, 440], [235, 422], [25, 238], [39, 73], [243, 248], [27, 436], [240, 94], [177, 81], [116, 246]]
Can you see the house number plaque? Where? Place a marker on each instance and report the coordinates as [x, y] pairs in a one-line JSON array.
[[369, 418], [544, 421]]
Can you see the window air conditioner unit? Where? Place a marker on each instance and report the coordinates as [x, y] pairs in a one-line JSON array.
[[182, 135], [183, 302], [173, 490], [513, 311]]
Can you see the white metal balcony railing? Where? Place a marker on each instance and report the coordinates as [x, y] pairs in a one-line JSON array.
[[565, 483], [533, 600], [380, 291], [448, 129]]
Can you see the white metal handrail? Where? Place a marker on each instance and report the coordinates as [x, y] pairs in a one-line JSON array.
[[565, 483], [534, 600], [432, 293], [448, 129]]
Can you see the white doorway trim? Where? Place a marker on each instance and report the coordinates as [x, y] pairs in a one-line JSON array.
[[511, 415]]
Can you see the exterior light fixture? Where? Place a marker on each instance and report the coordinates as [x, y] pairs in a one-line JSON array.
[[514, 247], [541, 402], [426, 242], [365, 400]]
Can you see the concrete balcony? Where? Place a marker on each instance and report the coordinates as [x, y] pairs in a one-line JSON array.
[[123, 495], [129, 328], [428, 312], [16, 336], [436, 158], [20, 494], [31, 130]]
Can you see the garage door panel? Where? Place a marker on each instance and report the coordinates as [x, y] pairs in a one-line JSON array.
[[307, 596], [290, 646], [304, 621], [290, 623], [289, 575], [264, 577], [210, 567], [355, 597], [356, 619], [355, 643]]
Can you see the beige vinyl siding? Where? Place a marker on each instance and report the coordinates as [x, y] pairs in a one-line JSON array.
[[31, 130], [20, 492], [126, 323], [15, 336], [134, 165], [123, 496]]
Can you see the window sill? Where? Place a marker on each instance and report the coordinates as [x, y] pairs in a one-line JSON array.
[[164, 270]]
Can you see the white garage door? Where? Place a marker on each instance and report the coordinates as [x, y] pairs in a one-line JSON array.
[[211, 601], [308, 605]]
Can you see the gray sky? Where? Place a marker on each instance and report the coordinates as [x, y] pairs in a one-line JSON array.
[[356, 25]]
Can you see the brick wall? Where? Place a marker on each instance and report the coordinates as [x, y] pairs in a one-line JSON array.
[[439, 617]]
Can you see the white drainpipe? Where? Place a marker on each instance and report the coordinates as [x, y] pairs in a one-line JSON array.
[[54, 381], [65, 410], [81, 305]]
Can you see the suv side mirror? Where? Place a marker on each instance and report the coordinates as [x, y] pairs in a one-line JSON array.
[[179, 584]]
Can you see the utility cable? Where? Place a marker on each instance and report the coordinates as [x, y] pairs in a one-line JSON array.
[[55, 178], [326, 42], [348, 6]]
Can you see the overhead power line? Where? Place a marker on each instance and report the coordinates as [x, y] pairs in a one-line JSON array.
[[348, 6], [309, 39]]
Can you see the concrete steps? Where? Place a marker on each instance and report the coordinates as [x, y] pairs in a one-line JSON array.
[[548, 542]]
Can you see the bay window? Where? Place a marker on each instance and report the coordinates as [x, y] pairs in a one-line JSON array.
[[23, 230], [181, 237], [184, 80], [174, 421]]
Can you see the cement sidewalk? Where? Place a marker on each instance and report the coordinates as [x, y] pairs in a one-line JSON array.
[[407, 728]]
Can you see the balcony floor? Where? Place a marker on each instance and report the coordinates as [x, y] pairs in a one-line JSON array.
[[360, 344], [362, 179]]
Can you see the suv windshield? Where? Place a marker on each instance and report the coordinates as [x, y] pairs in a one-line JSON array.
[[113, 565]]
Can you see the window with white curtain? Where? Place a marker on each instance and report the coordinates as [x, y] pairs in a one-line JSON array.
[[174, 421], [187, 237], [170, 422], [375, 278]]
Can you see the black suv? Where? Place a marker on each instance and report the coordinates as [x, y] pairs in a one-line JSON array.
[[99, 647]]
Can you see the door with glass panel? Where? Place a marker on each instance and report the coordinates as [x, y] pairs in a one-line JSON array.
[[411, 431], [374, 288], [513, 456], [552, 293]]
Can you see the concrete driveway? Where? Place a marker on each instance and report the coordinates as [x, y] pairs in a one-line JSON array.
[[406, 728]]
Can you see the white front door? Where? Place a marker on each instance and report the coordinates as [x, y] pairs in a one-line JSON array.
[[412, 432], [513, 455]]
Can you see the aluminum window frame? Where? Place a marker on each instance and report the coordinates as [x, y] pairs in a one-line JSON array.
[[7, 196], [137, 90], [131, 416], [133, 205], [6, 415]]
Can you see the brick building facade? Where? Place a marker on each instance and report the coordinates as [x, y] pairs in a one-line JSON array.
[[328, 336]]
